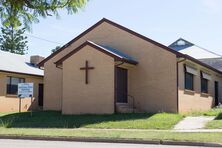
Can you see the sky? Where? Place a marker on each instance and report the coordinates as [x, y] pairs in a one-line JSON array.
[[198, 21]]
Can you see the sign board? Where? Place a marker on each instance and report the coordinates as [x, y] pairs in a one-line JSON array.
[[25, 90]]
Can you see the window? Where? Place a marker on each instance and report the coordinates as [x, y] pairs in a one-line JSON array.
[[12, 85], [188, 81], [204, 85]]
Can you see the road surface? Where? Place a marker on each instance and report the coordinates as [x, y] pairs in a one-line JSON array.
[[7, 143]]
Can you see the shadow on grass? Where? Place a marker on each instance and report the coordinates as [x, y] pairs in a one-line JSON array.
[[53, 119], [218, 117]]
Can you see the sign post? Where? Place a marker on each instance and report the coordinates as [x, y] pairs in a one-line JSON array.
[[31, 103], [25, 90], [20, 103]]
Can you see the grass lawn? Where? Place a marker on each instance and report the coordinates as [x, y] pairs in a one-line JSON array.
[[217, 122], [52, 119], [53, 124], [211, 112], [142, 135]]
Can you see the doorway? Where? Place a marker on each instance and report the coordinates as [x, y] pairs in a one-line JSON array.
[[216, 86], [40, 96], [121, 85]]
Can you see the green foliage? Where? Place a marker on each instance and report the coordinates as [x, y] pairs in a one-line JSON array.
[[13, 40], [55, 49], [25, 12], [49, 119]]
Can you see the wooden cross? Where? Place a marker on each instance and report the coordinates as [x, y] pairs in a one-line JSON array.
[[86, 68]]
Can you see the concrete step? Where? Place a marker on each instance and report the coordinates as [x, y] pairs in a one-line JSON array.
[[124, 108]]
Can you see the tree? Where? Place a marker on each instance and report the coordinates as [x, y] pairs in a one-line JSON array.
[[25, 12], [13, 40], [55, 49]]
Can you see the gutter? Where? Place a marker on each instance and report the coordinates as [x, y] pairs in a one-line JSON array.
[[20, 73]]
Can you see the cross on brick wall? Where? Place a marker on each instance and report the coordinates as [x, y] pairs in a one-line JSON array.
[[86, 68]]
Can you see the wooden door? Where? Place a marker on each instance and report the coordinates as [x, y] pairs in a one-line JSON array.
[[216, 87], [121, 85], [40, 96]]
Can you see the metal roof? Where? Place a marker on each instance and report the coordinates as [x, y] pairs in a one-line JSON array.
[[116, 52], [186, 47], [105, 49], [214, 62], [10, 62], [180, 44]]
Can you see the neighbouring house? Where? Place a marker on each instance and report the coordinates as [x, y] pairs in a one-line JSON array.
[[16, 69], [109, 68], [206, 56]]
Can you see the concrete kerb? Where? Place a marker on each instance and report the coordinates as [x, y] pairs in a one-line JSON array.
[[112, 140]]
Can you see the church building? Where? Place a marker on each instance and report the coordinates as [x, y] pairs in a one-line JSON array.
[[109, 68]]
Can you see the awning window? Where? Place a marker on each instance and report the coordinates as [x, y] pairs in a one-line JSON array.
[[205, 75], [190, 70]]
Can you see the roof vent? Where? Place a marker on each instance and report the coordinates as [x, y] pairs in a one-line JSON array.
[[36, 59], [181, 43]]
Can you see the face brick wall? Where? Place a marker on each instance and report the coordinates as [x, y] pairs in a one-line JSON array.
[[96, 97], [194, 100], [153, 82], [9, 103]]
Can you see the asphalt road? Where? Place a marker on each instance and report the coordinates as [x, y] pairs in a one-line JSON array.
[[7, 143]]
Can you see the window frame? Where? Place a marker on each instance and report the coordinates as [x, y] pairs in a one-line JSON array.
[[186, 83], [9, 92], [201, 85]]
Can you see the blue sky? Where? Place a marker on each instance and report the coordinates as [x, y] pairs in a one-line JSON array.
[[199, 21]]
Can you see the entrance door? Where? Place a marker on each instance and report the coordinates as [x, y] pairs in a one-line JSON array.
[[121, 85], [40, 97], [216, 86]]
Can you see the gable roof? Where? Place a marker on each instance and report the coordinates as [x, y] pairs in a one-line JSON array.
[[178, 54], [20, 64], [113, 24], [186, 47], [180, 44], [116, 54]]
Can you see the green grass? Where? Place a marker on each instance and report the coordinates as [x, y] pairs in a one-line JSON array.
[[53, 124], [52, 119], [142, 135], [211, 112], [217, 122]]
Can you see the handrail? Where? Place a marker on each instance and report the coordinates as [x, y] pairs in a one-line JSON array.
[[128, 96]]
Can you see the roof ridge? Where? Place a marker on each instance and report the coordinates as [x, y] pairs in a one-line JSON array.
[[210, 58], [8, 52], [208, 50], [183, 40]]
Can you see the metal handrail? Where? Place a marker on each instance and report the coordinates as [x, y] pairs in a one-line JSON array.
[[129, 96]]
